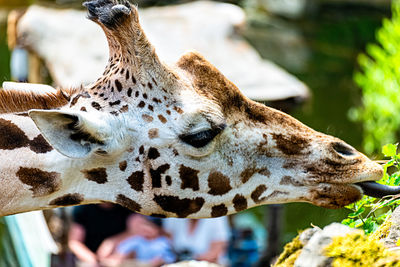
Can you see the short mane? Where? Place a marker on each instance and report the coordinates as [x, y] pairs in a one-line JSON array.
[[20, 101]]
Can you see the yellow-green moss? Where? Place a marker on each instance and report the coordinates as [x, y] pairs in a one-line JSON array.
[[390, 261], [290, 253], [382, 231], [353, 250], [356, 249]]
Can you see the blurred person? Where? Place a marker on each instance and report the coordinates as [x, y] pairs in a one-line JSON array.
[[97, 230], [148, 245], [243, 249], [203, 239]]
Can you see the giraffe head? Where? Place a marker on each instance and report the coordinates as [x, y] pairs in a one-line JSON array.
[[183, 141]]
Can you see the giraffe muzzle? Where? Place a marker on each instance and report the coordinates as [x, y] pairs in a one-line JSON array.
[[373, 189]]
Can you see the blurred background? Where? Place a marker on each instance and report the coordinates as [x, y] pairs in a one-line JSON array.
[[317, 41]]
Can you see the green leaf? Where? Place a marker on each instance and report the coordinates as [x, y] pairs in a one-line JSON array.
[[347, 221], [370, 226], [368, 213], [357, 223], [357, 213], [389, 150]]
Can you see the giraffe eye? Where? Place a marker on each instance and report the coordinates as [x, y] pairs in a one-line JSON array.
[[202, 138]]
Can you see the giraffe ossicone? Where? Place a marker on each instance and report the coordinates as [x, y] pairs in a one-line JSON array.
[[169, 141]]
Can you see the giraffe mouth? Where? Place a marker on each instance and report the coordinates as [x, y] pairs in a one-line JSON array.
[[373, 189]]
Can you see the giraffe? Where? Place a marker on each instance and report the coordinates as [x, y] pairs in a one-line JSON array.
[[167, 141]]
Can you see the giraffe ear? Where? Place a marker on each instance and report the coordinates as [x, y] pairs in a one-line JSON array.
[[73, 134]]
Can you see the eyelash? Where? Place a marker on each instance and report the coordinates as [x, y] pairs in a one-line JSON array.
[[203, 138]]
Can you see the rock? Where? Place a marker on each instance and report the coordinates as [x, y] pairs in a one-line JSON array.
[[75, 49], [307, 234], [392, 238], [340, 245], [315, 240]]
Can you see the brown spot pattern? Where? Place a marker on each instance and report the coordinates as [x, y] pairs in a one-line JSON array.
[[147, 118], [129, 92], [326, 173], [141, 150], [153, 153], [291, 145], [168, 180], [96, 105], [263, 145], [255, 195], [289, 165], [219, 210], [178, 109], [117, 102], [118, 85], [136, 181], [162, 118], [128, 203], [124, 108], [189, 178], [249, 172], [42, 183], [12, 136], [218, 183], [239, 203], [181, 207], [156, 100], [153, 133], [288, 180], [40, 145], [98, 175], [156, 175], [67, 200], [123, 165], [334, 197]]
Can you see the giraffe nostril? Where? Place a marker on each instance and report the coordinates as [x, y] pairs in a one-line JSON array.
[[343, 149]]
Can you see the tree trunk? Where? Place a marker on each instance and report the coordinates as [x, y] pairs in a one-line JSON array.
[[274, 222]]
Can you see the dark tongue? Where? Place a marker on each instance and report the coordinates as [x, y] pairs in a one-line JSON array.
[[373, 189]]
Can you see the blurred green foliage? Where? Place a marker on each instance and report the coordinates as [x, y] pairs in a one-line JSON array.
[[369, 213], [4, 55], [379, 80]]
